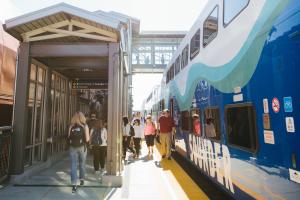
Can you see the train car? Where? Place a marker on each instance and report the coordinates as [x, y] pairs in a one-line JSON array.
[[233, 87], [8, 57]]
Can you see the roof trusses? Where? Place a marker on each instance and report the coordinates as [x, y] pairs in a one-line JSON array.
[[69, 28]]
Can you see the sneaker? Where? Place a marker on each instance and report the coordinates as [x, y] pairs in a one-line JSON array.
[[103, 172], [81, 182], [74, 188]]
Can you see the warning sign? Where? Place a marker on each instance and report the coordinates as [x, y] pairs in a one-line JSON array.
[[289, 123], [275, 105], [269, 137]]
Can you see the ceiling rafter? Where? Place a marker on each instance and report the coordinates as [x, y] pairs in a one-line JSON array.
[[57, 31]]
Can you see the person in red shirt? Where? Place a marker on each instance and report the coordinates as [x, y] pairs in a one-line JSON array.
[[166, 126], [196, 125]]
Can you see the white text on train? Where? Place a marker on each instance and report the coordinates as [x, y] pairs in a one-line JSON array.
[[211, 159]]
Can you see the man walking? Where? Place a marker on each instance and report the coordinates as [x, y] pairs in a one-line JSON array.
[[167, 128]]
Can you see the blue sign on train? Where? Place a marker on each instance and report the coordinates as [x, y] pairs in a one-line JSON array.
[[288, 105]]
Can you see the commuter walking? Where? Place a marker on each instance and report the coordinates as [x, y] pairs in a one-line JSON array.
[[149, 133], [167, 129], [126, 132], [92, 121], [78, 136], [138, 135], [99, 144]]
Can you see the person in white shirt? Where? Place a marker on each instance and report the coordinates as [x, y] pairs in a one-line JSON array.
[[126, 133], [99, 144], [138, 135]]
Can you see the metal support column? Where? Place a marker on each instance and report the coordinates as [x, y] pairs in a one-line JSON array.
[[21, 109]]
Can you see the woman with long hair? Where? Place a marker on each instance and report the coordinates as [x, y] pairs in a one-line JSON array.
[[78, 136]]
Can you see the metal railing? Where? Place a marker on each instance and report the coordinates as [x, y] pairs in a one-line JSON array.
[[5, 151]]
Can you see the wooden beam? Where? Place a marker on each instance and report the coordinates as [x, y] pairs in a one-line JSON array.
[[95, 29], [68, 50], [83, 35], [26, 36]]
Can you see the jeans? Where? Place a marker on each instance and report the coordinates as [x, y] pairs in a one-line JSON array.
[[77, 154]]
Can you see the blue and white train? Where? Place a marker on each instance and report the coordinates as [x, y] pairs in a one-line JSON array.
[[238, 68]]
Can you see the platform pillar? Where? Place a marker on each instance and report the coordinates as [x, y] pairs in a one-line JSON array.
[[20, 109]]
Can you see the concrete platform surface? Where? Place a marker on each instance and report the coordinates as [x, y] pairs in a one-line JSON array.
[[143, 178]]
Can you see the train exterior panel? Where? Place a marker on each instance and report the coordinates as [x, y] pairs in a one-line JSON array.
[[235, 97]]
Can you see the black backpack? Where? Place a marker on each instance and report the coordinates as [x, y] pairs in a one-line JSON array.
[[131, 132], [77, 136], [96, 137]]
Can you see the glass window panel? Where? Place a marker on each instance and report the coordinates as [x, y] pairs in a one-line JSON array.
[[185, 118], [212, 123], [177, 65], [27, 156], [184, 56], [40, 92], [52, 80], [210, 27], [32, 72], [241, 126], [31, 92], [232, 8], [195, 44], [195, 122], [37, 153], [41, 75]]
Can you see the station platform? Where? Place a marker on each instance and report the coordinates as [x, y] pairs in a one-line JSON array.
[[143, 178]]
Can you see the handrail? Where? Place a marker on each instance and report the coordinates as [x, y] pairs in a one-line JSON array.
[[2, 128]]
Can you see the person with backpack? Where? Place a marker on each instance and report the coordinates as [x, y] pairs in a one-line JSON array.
[[138, 135], [78, 137], [99, 143], [149, 133]]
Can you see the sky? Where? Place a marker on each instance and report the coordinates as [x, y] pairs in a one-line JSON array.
[[154, 15]]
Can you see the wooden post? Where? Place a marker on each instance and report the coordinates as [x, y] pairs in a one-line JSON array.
[[114, 115], [21, 109]]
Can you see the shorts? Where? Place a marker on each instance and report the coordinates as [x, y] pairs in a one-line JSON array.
[[149, 140]]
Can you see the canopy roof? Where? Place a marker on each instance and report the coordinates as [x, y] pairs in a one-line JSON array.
[[66, 23]]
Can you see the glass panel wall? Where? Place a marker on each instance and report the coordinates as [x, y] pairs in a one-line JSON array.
[[59, 119], [33, 145]]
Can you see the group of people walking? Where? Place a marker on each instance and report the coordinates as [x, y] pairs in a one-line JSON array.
[[81, 136], [139, 129], [92, 134]]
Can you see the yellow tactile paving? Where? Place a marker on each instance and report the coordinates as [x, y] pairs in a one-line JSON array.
[[180, 180]]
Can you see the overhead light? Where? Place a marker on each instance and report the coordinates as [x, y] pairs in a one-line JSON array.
[[87, 70]]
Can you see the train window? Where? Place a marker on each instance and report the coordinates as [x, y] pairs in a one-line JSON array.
[[232, 8], [172, 72], [195, 122], [195, 44], [177, 65], [185, 115], [241, 126], [168, 76], [210, 27], [184, 56], [212, 123]]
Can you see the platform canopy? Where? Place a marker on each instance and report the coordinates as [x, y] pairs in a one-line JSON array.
[[66, 23]]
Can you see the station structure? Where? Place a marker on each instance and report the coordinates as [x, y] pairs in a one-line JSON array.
[[67, 56]]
